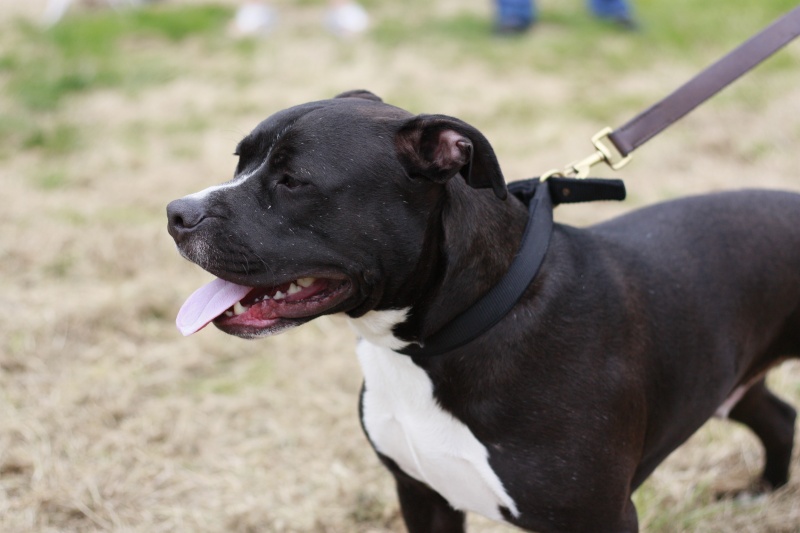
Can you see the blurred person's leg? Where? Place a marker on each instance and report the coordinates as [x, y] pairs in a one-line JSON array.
[[514, 16], [615, 10], [346, 18], [55, 10]]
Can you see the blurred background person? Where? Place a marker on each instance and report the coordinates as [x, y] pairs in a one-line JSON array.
[[517, 16], [343, 18]]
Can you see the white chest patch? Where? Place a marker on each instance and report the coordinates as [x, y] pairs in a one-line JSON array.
[[405, 423]]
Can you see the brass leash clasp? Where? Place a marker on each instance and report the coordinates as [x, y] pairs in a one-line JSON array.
[[605, 152]]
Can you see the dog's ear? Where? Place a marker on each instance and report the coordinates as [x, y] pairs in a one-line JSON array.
[[438, 147], [359, 93]]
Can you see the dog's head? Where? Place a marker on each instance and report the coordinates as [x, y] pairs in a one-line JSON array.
[[328, 211]]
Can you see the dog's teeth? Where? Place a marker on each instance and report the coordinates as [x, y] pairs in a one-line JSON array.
[[294, 289], [306, 282], [228, 313], [238, 308], [279, 296]]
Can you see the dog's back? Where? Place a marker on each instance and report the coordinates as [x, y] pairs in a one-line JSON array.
[[731, 262]]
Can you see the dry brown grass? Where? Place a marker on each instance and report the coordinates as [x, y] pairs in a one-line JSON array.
[[110, 421]]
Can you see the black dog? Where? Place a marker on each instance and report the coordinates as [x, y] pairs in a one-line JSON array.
[[633, 333]]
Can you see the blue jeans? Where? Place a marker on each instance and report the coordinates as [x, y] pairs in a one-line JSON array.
[[610, 9], [523, 12]]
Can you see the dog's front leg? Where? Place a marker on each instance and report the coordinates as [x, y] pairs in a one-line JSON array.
[[424, 510]]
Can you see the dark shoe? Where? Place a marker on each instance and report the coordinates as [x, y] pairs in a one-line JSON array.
[[508, 29], [625, 22]]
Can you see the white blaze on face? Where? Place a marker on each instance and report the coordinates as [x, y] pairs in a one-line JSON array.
[[235, 182], [405, 423]]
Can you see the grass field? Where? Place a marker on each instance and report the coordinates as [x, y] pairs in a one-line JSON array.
[[111, 421]]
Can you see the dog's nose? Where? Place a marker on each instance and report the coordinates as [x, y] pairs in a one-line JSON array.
[[183, 216]]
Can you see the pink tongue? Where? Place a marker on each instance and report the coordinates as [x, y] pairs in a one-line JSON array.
[[207, 303]]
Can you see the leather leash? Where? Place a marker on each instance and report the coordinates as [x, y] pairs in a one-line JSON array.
[[615, 146]]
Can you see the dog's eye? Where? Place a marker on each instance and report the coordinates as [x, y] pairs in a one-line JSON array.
[[289, 182]]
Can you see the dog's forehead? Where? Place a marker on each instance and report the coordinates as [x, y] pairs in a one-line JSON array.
[[336, 117]]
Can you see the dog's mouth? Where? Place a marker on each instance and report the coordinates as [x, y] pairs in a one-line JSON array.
[[258, 311]]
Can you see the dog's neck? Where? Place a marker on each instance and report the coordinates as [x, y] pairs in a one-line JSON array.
[[471, 254]]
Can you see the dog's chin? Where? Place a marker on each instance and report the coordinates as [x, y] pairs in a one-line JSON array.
[[256, 331], [269, 311]]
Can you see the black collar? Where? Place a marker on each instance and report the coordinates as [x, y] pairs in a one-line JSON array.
[[500, 299]]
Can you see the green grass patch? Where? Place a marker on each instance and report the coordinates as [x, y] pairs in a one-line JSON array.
[[690, 26], [70, 216], [567, 38], [17, 343], [8, 62], [126, 215], [697, 510], [232, 377], [191, 122], [184, 150], [51, 180], [13, 127], [101, 32], [22, 130], [56, 140], [100, 50], [60, 267]]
